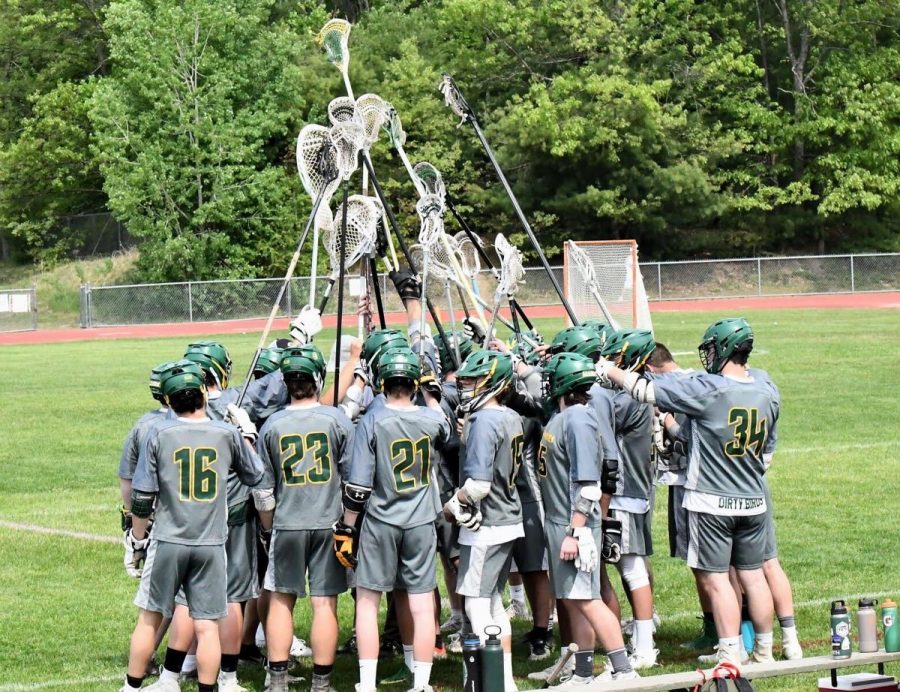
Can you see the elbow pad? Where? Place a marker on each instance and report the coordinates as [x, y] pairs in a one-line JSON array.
[[767, 460], [264, 500], [142, 504], [355, 497], [609, 476], [640, 388], [588, 497], [476, 490]]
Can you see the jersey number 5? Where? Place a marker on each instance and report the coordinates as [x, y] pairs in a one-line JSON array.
[[308, 452], [197, 479], [749, 432], [411, 463]]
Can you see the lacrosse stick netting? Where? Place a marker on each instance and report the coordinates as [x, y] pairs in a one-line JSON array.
[[334, 37], [348, 138], [586, 268], [511, 274], [359, 239]]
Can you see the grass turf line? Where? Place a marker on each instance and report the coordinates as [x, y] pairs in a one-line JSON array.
[[65, 603]]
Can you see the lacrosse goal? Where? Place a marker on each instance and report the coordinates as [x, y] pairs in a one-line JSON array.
[[607, 271]]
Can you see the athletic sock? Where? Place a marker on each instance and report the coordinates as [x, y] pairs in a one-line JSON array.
[[439, 641], [202, 687], [729, 641], [321, 669], [618, 659], [540, 633], [278, 666], [456, 613], [517, 593], [174, 660], [508, 670], [764, 638], [643, 637], [134, 682], [368, 671], [408, 656], [421, 674], [249, 651], [584, 663], [708, 617], [229, 663], [787, 622], [190, 663]]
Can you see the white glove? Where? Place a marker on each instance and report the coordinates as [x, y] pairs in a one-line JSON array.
[[588, 558], [473, 330], [603, 367], [661, 440], [464, 514], [306, 325], [135, 552], [241, 419]]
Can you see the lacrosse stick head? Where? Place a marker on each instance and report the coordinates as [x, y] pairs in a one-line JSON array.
[[374, 112], [348, 139], [343, 110], [334, 37], [582, 262], [511, 271], [430, 180], [431, 223], [469, 259], [316, 160], [454, 99], [359, 239], [439, 267], [393, 126]]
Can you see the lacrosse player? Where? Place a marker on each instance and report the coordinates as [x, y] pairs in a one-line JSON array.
[[487, 506], [304, 449], [573, 479], [731, 414], [392, 479], [182, 467]]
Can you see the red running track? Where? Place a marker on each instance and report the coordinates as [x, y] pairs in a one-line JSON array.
[[724, 305]]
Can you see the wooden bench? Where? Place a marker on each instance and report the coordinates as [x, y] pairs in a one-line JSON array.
[[751, 671]]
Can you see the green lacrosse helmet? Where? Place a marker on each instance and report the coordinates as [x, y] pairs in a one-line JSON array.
[[629, 349], [567, 372], [269, 361], [303, 360], [183, 375], [492, 372], [398, 362], [581, 339], [377, 343], [604, 331], [721, 340], [155, 378], [213, 358], [447, 346]]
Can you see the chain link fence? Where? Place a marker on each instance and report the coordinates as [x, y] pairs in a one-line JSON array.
[[18, 309], [203, 301]]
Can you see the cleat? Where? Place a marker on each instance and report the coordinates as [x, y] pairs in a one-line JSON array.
[[454, 643], [153, 667], [642, 661], [358, 688], [322, 683], [452, 624], [291, 679], [277, 681], [575, 681], [427, 688], [260, 638], [253, 659], [349, 647], [791, 649], [567, 671], [762, 653], [229, 683], [403, 676], [707, 639], [168, 685], [299, 649], [736, 655], [517, 610], [540, 649], [627, 627], [389, 649]]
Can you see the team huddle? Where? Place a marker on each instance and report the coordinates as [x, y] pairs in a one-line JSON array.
[[534, 464]]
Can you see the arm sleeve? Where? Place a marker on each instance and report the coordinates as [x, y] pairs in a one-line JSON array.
[[481, 444], [145, 477], [246, 463], [266, 396], [581, 435], [362, 455]]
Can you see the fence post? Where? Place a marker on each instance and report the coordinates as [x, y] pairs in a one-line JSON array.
[[852, 277], [190, 303], [34, 306], [659, 280], [758, 276]]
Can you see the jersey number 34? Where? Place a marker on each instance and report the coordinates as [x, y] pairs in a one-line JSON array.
[[749, 432]]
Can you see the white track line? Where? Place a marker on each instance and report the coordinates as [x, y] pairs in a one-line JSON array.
[[17, 687], [34, 528], [833, 448]]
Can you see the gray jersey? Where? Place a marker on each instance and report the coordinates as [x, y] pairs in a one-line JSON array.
[[393, 453], [131, 450], [634, 438], [304, 453], [265, 396], [527, 483], [570, 454], [730, 424], [602, 403], [493, 444], [676, 462], [186, 462], [216, 408]]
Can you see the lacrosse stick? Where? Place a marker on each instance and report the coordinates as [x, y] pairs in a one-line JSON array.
[[373, 111], [454, 99], [353, 243], [511, 274], [581, 260], [325, 168], [334, 38]]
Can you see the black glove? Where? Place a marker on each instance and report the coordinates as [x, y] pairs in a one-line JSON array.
[[406, 283], [125, 517], [265, 539], [611, 544], [345, 543], [429, 382], [473, 331]]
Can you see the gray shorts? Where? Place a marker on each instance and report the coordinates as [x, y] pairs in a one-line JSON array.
[[294, 555], [483, 569], [771, 549], [678, 523], [197, 569], [529, 551], [636, 537], [447, 537], [241, 550], [719, 542], [393, 558], [566, 580]]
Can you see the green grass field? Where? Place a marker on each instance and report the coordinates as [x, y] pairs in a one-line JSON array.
[[65, 602]]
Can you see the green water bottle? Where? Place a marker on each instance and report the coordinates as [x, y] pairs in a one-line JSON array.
[[891, 626], [492, 677], [840, 630]]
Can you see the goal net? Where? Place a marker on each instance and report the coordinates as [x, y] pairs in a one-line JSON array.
[[606, 271]]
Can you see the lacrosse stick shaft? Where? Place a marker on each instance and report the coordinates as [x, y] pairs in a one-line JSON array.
[[340, 296], [376, 290], [525, 225], [284, 284], [455, 355], [364, 280], [313, 267], [570, 651]]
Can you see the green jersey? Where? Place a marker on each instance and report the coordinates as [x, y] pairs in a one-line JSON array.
[[730, 433], [493, 446], [570, 455], [393, 454], [132, 447], [304, 453], [634, 439], [187, 462]]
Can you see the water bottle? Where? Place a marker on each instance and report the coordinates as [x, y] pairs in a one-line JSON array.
[[891, 626], [865, 626], [492, 677], [471, 663], [840, 630]]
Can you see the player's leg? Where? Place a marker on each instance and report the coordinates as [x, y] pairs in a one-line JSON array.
[[537, 587], [243, 585], [209, 653], [367, 604], [279, 631], [636, 578], [206, 591], [421, 607], [517, 609], [780, 586], [417, 575], [327, 579], [607, 631], [143, 640], [608, 592], [748, 557]]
